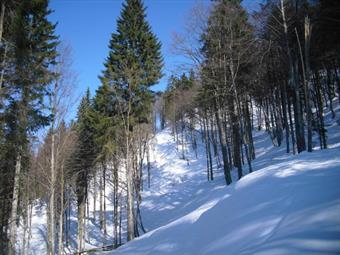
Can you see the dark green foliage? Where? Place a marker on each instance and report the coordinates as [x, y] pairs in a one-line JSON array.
[[105, 110], [30, 45], [85, 147], [125, 100], [134, 63]]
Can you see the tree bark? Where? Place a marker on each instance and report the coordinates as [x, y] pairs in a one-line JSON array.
[[94, 195], [51, 225], [61, 214], [223, 138], [130, 196], [15, 202], [2, 16]]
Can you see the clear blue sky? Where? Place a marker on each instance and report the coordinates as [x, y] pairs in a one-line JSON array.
[[86, 25]]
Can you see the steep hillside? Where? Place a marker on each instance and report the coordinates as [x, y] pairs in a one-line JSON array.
[[289, 205]]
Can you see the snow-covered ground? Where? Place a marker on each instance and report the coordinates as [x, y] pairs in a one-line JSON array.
[[289, 205]]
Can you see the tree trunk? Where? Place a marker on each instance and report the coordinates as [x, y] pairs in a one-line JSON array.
[[115, 206], [51, 225], [3, 69], [291, 124], [101, 207], [207, 149], [308, 31], [222, 138], [235, 139], [322, 130], [104, 199], [15, 202], [2, 16], [148, 164], [130, 196], [284, 105], [182, 138], [29, 228], [61, 214], [305, 73], [330, 92], [94, 195], [81, 223], [25, 218]]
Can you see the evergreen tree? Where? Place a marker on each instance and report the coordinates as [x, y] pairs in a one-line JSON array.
[[133, 66], [30, 52], [83, 160]]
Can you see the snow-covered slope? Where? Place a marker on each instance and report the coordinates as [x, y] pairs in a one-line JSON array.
[[289, 205]]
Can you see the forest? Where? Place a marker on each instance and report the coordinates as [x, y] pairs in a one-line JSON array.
[[274, 70]]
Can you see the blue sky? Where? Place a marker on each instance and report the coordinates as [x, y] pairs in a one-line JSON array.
[[86, 26]]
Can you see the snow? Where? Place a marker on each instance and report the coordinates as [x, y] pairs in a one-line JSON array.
[[290, 204]]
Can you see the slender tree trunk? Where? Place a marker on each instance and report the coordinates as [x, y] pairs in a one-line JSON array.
[[104, 199], [148, 164], [81, 201], [101, 207], [3, 69], [284, 110], [25, 218], [2, 16], [213, 138], [249, 133], [51, 224], [61, 214], [182, 138], [207, 149], [120, 225], [130, 191], [291, 124], [115, 207], [248, 143], [207, 156], [68, 219], [235, 139], [330, 91], [29, 228], [94, 195], [15, 202], [322, 130], [308, 31], [222, 138], [81, 223]]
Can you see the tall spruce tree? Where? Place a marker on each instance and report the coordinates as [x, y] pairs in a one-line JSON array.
[[134, 64]]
